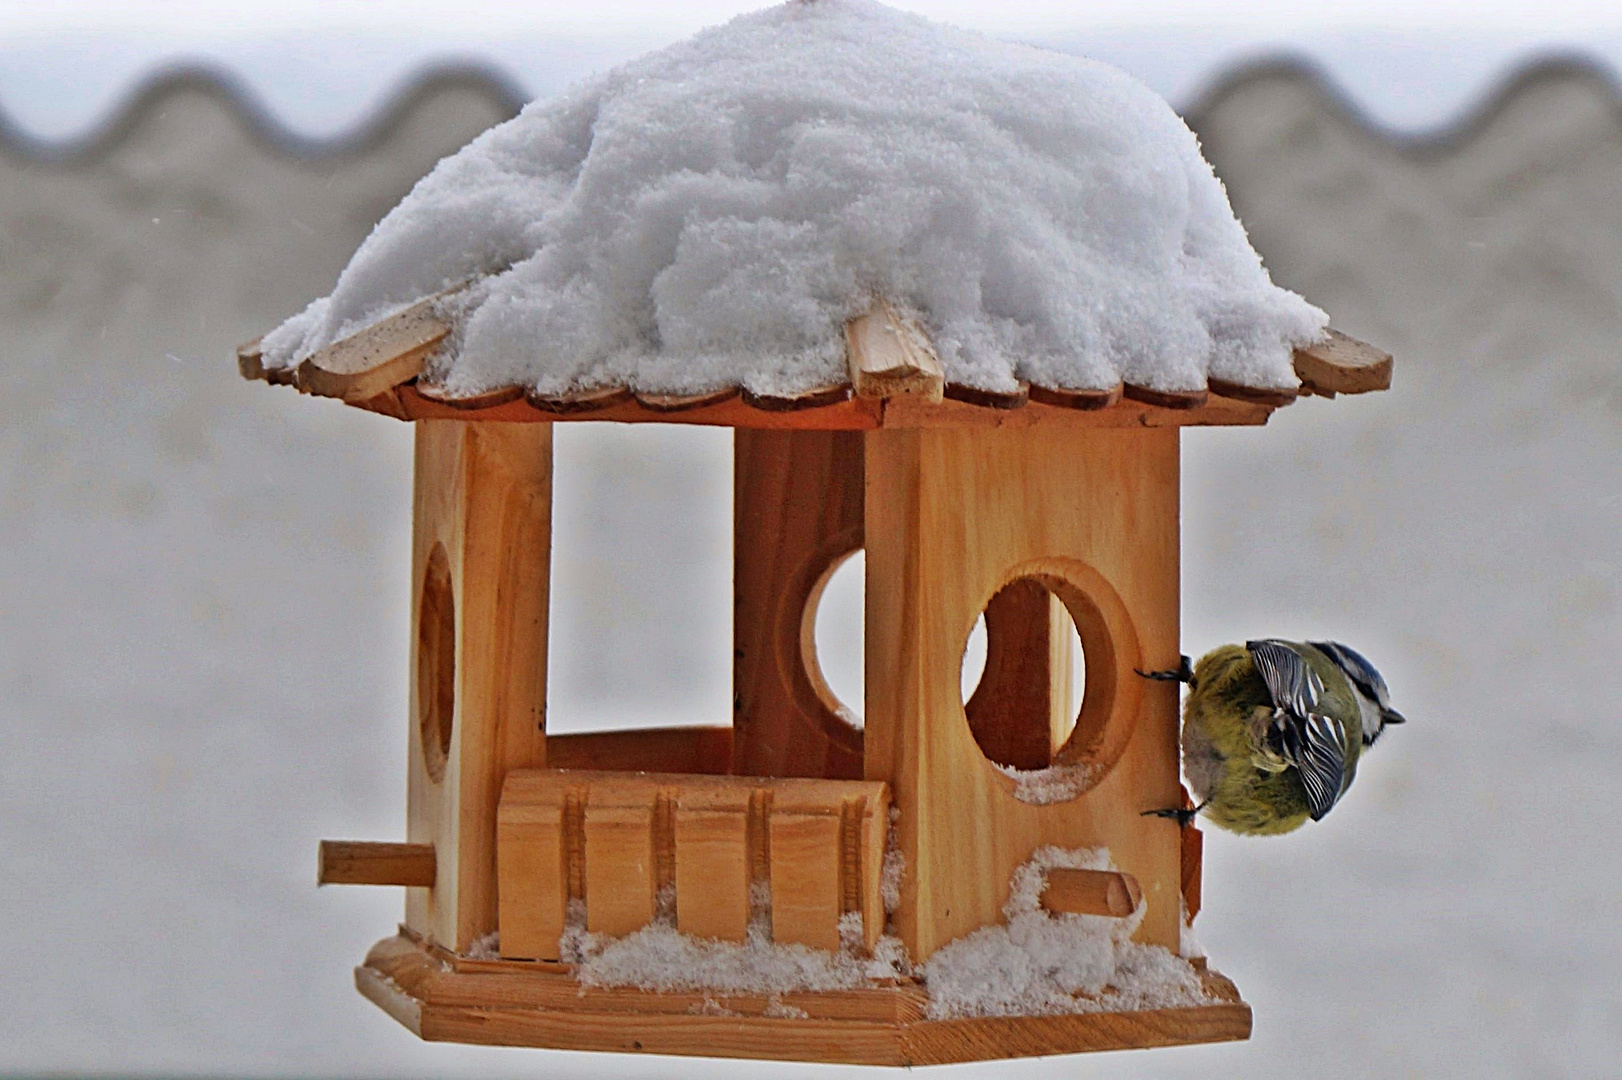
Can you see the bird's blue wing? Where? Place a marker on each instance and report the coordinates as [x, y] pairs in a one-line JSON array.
[[1311, 741]]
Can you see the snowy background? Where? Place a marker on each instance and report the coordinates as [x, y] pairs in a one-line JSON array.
[[203, 582]]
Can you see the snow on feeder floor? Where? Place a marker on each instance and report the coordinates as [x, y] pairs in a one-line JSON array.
[[958, 298]]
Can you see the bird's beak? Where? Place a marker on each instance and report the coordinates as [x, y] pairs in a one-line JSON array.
[[1392, 716]]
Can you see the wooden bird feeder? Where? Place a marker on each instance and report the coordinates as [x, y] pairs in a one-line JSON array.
[[1041, 509]]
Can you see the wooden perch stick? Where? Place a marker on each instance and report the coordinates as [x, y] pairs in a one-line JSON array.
[[366, 862], [1342, 365], [890, 356], [1091, 892]]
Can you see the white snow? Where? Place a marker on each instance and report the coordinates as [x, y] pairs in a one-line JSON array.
[[710, 214], [659, 957], [1041, 963], [1056, 783]]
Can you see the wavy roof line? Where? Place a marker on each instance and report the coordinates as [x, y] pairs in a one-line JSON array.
[[262, 125], [271, 134], [1447, 138]]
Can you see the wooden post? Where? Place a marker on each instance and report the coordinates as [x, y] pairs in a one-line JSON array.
[[481, 544], [952, 517], [797, 509]]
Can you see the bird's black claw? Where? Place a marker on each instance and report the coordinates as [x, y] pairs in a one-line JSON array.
[[1184, 673], [1181, 815]]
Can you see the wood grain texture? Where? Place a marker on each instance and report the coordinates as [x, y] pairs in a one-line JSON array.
[[1342, 365], [797, 511], [382, 356], [953, 516], [1091, 892], [1166, 399], [820, 843], [533, 1005], [367, 862], [483, 493], [1277, 397], [889, 355], [678, 750], [1019, 712]]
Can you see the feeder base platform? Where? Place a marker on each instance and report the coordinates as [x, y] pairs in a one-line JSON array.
[[446, 998]]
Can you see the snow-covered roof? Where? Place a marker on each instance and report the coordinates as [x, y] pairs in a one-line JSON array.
[[711, 218]]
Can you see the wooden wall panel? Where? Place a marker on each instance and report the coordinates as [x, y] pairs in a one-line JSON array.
[[483, 492], [797, 510], [952, 516]]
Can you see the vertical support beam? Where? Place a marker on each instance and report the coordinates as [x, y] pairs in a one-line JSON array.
[[954, 515], [483, 502], [797, 508]]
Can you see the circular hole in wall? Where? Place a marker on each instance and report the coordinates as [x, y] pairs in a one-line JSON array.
[[436, 663], [836, 662], [1024, 704]]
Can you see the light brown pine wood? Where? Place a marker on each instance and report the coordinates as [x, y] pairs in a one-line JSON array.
[[621, 872], [1091, 892], [1342, 365], [713, 869], [889, 355], [482, 496], [797, 511], [450, 1000], [368, 862], [531, 845], [819, 843], [952, 516], [379, 358]]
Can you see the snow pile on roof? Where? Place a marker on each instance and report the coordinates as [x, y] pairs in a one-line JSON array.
[[1041, 963], [659, 957], [709, 216]]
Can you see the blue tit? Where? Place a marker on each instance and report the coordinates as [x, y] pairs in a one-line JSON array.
[[1272, 732]]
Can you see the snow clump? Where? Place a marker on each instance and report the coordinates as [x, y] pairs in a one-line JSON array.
[[1040, 963], [709, 215]]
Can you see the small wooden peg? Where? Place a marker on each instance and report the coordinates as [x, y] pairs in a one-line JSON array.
[[366, 862], [1091, 892]]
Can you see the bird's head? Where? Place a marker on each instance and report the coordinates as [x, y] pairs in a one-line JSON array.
[[1374, 697]]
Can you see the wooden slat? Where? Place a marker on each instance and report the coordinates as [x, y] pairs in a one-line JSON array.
[[1083, 400], [713, 862], [533, 877], [1166, 399], [989, 399], [586, 401], [889, 356], [621, 872], [490, 399], [1342, 365], [365, 862], [874, 1026], [673, 403], [806, 900], [1091, 892], [389, 352], [1261, 395], [679, 750], [816, 398]]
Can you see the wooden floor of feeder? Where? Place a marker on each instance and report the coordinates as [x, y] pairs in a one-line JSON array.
[[444, 998]]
